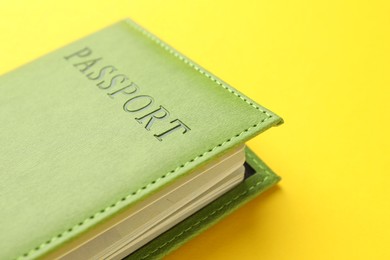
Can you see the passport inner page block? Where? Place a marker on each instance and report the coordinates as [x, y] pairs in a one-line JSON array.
[[94, 127]]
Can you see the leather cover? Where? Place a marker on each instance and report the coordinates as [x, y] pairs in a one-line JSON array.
[[92, 128], [262, 179]]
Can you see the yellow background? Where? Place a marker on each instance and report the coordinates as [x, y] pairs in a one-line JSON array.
[[323, 66]]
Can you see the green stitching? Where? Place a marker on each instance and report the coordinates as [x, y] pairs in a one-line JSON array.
[[204, 218], [254, 159], [190, 63], [197, 68]]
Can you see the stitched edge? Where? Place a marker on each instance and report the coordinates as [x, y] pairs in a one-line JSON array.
[[191, 64], [198, 69], [201, 220], [259, 164], [216, 210]]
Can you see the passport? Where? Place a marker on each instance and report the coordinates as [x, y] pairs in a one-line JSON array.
[[117, 145]]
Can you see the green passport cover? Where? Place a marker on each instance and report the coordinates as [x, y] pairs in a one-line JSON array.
[[100, 124]]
